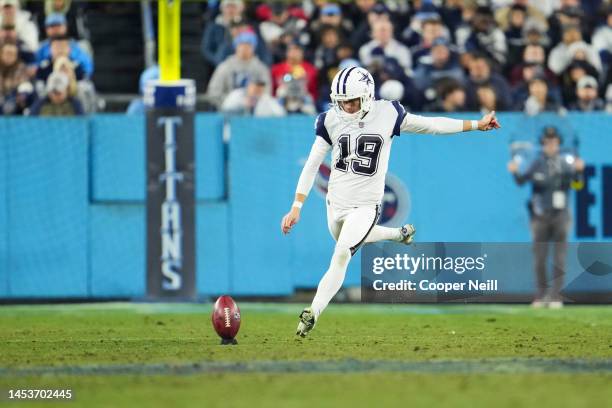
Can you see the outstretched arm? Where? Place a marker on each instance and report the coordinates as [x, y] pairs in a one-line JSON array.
[[317, 154], [440, 125]]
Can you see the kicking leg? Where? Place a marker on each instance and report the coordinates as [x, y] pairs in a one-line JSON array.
[[357, 225], [307, 317], [353, 231]]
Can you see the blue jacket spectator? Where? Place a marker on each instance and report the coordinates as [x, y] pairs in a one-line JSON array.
[[441, 63], [55, 25], [59, 46]]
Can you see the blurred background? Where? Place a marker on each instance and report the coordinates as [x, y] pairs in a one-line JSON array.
[[72, 133]]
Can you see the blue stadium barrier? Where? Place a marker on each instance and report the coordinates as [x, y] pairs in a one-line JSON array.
[[72, 191], [46, 198]]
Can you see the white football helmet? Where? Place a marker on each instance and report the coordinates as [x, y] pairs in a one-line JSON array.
[[352, 83]]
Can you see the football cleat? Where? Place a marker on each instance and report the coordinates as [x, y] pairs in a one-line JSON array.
[[407, 232], [307, 322]]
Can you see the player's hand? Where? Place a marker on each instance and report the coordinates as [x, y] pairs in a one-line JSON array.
[[289, 220], [488, 122], [579, 164], [512, 166]]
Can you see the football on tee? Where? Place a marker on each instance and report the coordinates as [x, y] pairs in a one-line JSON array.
[[226, 317]]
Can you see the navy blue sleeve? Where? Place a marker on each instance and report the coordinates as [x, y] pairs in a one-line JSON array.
[[320, 129], [401, 114]]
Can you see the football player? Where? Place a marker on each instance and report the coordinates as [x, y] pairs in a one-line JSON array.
[[359, 131]]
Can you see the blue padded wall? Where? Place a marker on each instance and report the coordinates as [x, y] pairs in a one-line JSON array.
[[117, 250], [118, 158], [47, 207]]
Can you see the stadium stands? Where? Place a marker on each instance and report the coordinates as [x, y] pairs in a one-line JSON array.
[[506, 35]]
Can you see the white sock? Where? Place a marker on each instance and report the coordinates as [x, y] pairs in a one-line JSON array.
[[379, 233], [332, 280]]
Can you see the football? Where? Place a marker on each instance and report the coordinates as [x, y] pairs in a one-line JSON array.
[[226, 317]]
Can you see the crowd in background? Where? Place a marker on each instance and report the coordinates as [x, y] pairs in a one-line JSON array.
[[274, 58], [44, 70], [278, 57]]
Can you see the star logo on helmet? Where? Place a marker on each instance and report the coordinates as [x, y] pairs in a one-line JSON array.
[[365, 78]]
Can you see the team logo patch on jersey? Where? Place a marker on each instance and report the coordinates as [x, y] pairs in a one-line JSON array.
[[396, 199]]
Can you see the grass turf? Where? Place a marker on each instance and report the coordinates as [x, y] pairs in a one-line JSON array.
[[133, 335]]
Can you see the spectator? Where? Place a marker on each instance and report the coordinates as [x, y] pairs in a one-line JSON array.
[[382, 33], [325, 53], [480, 73], [19, 102], [294, 98], [452, 15], [588, 101], [534, 32], [13, 72], [520, 93], [602, 39], [63, 64], [568, 13], [235, 71], [504, 18], [363, 31], [73, 10], [218, 38], [517, 17], [533, 56], [55, 26], [9, 34], [137, 105], [570, 78], [539, 99], [562, 55], [425, 26], [60, 46], [58, 102], [253, 99], [451, 97], [330, 16], [441, 64], [57, 6], [484, 37], [358, 12], [217, 34], [385, 69], [431, 29], [326, 58], [27, 31], [295, 66], [280, 29], [487, 99]]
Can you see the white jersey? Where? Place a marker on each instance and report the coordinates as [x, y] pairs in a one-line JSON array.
[[360, 152], [361, 149]]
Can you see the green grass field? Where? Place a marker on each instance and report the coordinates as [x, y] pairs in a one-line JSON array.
[[158, 355]]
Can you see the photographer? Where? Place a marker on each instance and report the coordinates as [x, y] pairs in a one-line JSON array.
[[551, 175]]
